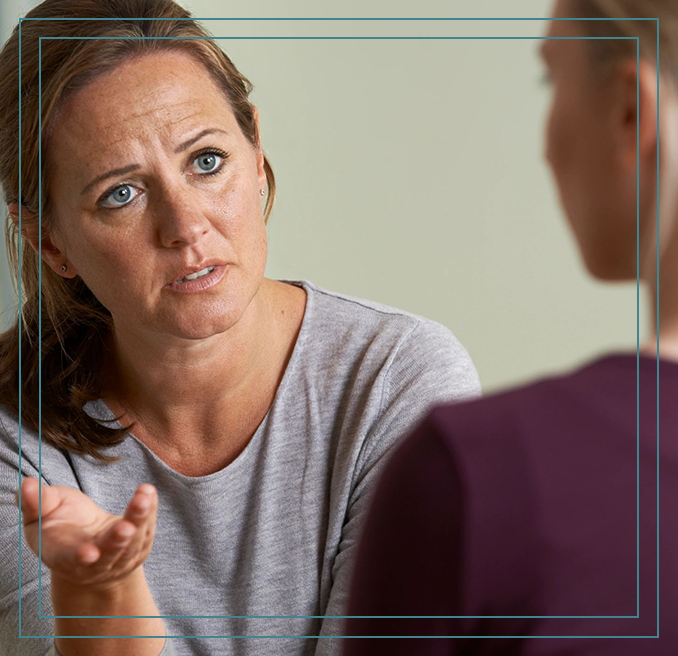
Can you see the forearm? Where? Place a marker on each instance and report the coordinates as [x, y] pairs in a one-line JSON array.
[[129, 598]]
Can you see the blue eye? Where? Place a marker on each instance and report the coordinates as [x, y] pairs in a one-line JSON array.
[[120, 196], [208, 162]]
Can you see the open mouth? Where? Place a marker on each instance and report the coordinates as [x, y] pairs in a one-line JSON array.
[[199, 281], [198, 274]]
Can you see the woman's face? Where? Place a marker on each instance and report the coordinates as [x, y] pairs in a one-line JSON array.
[[590, 147], [187, 196]]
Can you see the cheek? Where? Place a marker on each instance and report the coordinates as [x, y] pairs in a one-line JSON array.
[[242, 221], [111, 270], [568, 154], [114, 261], [579, 154], [559, 137], [256, 240]]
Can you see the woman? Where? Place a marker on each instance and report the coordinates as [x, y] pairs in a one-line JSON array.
[[247, 418], [513, 512]]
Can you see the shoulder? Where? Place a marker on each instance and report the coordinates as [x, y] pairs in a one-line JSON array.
[[22, 449], [336, 311], [12, 432], [408, 343], [513, 437], [525, 460], [383, 368], [541, 405]]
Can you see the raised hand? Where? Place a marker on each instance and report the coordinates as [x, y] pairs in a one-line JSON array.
[[83, 544]]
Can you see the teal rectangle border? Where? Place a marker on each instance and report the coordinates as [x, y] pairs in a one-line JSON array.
[[637, 334]]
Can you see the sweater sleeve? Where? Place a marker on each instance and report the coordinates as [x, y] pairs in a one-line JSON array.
[[23, 579], [26, 627], [429, 367]]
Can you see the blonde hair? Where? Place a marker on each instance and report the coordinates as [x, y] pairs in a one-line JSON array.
[[74, 323], [606, 53]]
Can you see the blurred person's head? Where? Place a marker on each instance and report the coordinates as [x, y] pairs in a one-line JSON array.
[[600, 94], [109, 101]]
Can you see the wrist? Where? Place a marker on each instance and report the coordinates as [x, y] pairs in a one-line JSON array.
[[65, 591], [124, 608]]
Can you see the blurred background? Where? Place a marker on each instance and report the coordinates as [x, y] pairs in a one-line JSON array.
[[410, 172]]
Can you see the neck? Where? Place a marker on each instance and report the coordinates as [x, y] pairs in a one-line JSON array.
[[663, 339], [173, 383], [663, 292]]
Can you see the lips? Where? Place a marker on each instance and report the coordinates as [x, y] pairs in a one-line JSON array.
[[182, 273]]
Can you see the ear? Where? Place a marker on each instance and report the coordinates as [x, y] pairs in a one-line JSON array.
[[636, 118], [30, 230], [261, 172]]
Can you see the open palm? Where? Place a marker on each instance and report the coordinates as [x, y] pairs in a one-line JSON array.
[[83, 543]]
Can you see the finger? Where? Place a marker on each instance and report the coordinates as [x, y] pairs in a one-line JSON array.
[[112, 545], [150, 533], [124, 536], [64, 547], [87, 553], [139, 509], [145, 512], [36, 500]]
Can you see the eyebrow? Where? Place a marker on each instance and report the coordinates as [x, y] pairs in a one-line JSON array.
[[133, 167]]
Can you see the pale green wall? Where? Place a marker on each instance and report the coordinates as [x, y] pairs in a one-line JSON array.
[[411, 173]]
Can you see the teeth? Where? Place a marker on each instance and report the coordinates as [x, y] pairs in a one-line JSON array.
[[197, 274]]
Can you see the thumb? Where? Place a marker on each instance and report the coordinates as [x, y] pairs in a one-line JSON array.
[[32, 505]]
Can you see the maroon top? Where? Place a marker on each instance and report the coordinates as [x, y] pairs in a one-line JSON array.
[[523, 503]]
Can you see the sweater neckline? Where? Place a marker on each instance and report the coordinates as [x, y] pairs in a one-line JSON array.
[[99, 410]]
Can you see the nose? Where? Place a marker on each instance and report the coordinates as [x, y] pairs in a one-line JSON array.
[[182, 220]]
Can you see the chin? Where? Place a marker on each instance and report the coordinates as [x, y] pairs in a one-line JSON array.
[[203, 331], [211, 319], [607, 268]]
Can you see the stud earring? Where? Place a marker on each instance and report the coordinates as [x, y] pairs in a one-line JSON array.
[[64, 267], [263, 193]]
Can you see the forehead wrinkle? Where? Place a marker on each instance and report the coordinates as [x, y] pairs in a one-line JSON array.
[[115, 133], [128, 148], [140, 131]]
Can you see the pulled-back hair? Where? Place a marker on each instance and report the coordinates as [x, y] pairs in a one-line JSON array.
[[74, 323]]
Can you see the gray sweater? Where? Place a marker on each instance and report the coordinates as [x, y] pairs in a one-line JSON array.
[[274, 533]]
